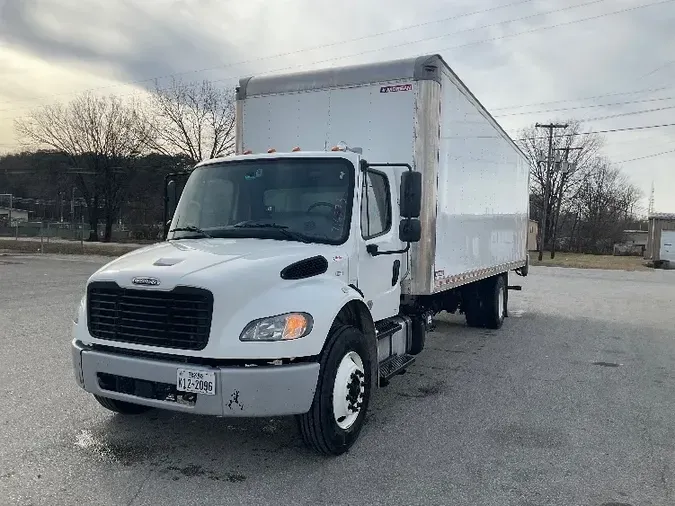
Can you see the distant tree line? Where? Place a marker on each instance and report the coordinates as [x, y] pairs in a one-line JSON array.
[[116, 152], [589, 202]]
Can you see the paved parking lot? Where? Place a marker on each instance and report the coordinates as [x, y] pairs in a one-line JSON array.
[[571, 403]]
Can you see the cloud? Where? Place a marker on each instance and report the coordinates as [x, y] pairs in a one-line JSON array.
[[50, 48]]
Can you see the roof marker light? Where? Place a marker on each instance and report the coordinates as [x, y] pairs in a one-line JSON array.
[[248, 152], [271, 150], [295, 149]]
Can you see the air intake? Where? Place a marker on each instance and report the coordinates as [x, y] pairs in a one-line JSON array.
[[306, 268]]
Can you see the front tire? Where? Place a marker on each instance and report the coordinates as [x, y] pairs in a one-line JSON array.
[[334, 421], [124, 408]]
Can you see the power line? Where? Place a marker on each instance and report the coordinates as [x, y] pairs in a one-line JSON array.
[[403, 44], [632, 113], [557, 25], [635, 92], [647, 156], [667, 64], [332, 59], [585, 107]]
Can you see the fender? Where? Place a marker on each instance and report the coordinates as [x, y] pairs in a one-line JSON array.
[[323, 297]]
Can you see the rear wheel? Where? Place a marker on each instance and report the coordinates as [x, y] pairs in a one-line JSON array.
[[495, 307], [486, 304], [125, 408], [338, 411]]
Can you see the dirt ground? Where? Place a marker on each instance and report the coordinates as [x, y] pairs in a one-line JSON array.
[[583, 261]]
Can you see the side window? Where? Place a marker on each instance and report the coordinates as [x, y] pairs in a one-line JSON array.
[[375, 205]]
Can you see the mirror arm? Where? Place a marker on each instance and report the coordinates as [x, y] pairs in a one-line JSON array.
[[372, 249]]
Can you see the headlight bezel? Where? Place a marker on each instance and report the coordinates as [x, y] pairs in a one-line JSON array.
[[285, 327], [80, 309]]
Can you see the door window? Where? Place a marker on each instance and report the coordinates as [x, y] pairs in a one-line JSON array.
[[375, 205]]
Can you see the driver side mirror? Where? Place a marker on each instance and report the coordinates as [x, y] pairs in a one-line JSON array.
[[410, 228], [411, 194], [170, 199]]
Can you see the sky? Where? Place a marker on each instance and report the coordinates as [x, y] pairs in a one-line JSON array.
[[608, 63]]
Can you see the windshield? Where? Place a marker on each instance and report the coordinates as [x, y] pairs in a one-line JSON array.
[[299, 199]]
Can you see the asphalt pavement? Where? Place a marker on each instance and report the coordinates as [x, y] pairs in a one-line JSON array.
[[570, 403]]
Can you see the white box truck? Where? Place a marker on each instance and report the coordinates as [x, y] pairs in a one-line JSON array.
[[303, 272]]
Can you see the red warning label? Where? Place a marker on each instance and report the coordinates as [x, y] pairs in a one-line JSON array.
[[395, 87]]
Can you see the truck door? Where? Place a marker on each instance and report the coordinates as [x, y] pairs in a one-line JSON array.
[[379, 275]]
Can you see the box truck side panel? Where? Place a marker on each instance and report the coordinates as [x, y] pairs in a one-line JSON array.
[[376, 117], [482, 210]]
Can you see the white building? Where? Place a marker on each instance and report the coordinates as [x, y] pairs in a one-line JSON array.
[[16, 214]]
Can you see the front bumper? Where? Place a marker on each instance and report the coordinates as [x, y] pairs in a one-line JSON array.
[[240, 391]]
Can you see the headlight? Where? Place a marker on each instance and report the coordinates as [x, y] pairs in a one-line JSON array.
[[283, 327], [80, 307]]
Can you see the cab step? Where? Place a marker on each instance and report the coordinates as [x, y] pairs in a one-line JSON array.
[[393, 366], [386, 328]]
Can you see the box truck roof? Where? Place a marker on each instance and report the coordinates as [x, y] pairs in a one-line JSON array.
[[429, 67], [285, 153], [419, 68]]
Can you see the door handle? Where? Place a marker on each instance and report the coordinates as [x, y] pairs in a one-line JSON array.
[[395, 272]]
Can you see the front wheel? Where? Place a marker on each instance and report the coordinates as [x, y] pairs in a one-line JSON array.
[[124, 408], [334, 421]]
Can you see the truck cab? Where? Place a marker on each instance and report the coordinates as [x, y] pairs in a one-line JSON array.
[[269, 259]]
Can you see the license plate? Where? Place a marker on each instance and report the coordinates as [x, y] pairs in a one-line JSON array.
[[196, 382]]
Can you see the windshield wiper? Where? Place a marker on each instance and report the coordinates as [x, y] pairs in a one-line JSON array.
[[191, 228], [296, 236]]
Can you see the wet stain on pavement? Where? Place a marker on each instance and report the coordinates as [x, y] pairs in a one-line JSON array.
[[425, 390], [122, 453], [607, 364], [529, 437], [194, 470]]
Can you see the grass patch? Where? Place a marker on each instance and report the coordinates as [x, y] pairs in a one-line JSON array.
[[584, 261], [67, 248]]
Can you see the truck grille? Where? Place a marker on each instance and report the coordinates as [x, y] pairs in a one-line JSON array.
[[178, 319]]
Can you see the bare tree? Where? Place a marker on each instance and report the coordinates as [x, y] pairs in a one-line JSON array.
[[563, 177], [192, 119], [101, 136], [604, 202]]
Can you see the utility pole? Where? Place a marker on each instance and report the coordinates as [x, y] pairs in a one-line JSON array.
[[547, 183], [564, 169]]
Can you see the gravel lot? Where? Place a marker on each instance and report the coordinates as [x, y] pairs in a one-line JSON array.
[[571, 403]]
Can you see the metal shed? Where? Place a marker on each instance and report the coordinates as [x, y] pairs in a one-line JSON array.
[[661, 240]]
